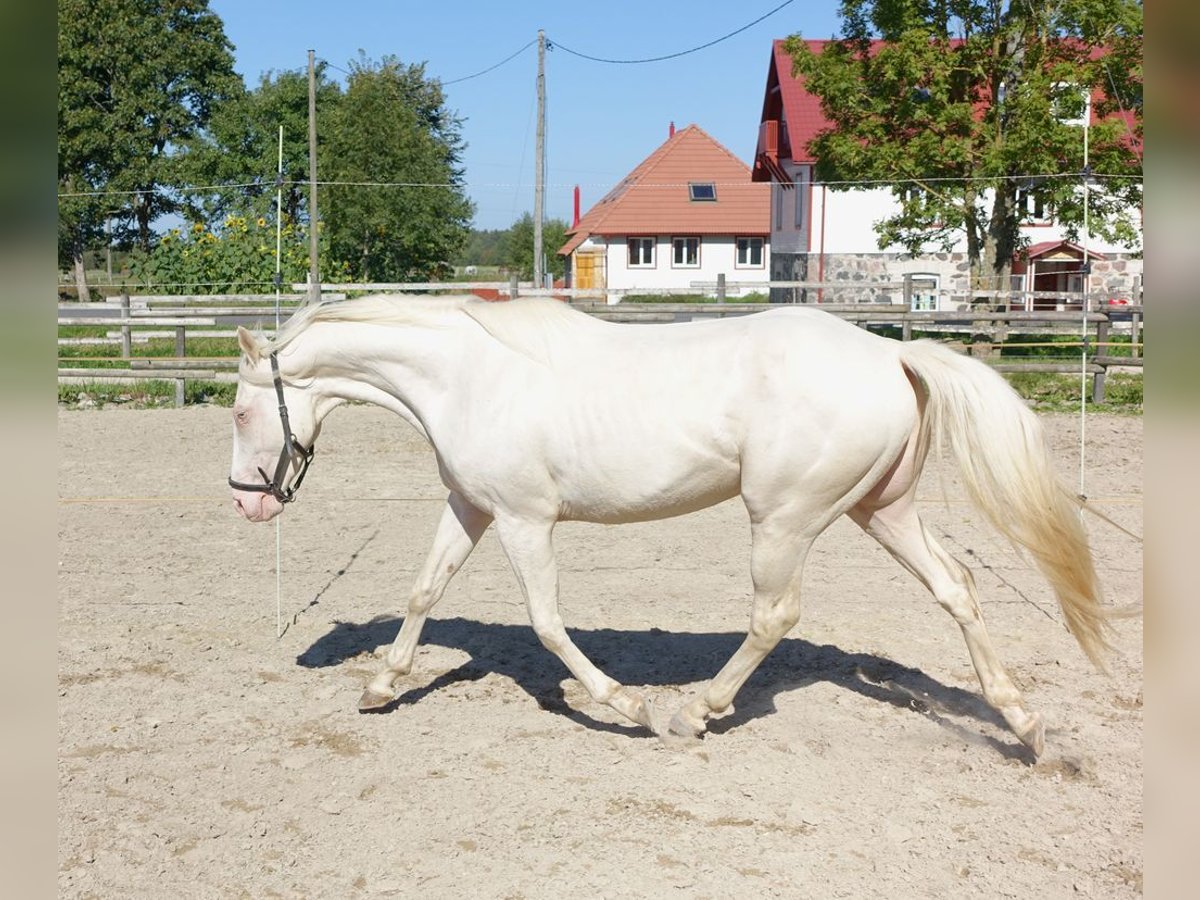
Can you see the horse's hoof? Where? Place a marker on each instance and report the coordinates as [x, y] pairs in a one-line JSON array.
[[371, 699], [1034, 735], [685, 726]]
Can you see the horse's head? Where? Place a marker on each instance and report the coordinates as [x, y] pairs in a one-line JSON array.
[[274, 430]]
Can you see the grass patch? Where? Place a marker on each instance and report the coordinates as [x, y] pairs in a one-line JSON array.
[[108, 356], [144, 394], [1053, 392]]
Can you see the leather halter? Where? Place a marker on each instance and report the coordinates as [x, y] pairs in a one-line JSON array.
[[292, 450]]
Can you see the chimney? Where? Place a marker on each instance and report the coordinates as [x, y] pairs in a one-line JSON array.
[[575, 224], [671, 131]]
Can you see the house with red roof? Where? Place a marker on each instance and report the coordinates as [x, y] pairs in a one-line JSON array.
[[686, 214], [818, 234]]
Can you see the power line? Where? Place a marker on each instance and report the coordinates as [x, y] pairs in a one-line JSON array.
[[876, 182], [552, 45], [490, 68]]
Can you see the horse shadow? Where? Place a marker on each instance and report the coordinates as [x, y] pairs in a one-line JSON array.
[[659, 658]]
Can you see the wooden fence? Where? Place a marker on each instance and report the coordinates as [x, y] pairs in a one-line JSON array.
[[135, 319]]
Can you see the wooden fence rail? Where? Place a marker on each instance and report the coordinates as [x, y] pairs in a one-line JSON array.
[[982, 329]]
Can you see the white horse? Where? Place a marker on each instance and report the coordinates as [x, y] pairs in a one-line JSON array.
[[539, 413]]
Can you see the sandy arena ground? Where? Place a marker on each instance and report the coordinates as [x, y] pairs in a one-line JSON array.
[[202, 756]]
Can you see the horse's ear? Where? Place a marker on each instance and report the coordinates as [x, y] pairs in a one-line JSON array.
[[248, 344]]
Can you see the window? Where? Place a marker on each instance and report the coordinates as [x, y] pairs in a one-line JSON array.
[[923, 290], [685, 252], [915, 195], [702, 190], [749, 253], [800, 180], [920, 206], [1033, 204], [641, 252], [1071, 104]]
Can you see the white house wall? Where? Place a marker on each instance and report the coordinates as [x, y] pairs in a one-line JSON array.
[[718, 255], [842, 222]]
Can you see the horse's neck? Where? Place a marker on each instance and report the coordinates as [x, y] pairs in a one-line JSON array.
[[403, 368]]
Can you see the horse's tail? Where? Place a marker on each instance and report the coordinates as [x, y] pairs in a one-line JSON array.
[[1005, 464]]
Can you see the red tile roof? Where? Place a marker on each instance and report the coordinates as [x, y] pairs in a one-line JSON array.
[[654, 197]]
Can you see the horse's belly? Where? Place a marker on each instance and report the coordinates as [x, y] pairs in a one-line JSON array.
[[635, 490]]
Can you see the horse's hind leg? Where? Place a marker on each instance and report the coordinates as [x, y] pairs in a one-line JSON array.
[[902, 533], [460, 528]]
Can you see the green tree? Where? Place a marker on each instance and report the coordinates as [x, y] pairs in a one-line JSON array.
[[483, 248], [518, 248], [402, 212], [241, 145], [963, 106], [136, 80]]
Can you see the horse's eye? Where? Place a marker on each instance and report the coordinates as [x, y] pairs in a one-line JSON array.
[[240, 416]]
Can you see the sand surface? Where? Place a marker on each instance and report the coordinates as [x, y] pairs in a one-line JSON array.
[[200, 755]]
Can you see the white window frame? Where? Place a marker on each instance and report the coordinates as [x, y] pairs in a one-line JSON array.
[[1034, 204], [681, 243], [705, 188], [643, 243], [742, 253], [1078, 120]]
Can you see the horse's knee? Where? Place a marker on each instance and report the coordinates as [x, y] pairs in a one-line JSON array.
[[770, 622], [551, 633]]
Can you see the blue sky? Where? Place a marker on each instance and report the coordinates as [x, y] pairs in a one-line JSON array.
[[601, 120]]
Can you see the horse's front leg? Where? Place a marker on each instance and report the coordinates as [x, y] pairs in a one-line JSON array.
[[460, 528], [530, 551]]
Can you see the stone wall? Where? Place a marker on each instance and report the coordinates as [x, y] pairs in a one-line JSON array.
[[853, 274]]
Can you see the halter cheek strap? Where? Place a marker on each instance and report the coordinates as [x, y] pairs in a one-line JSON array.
[[292, 450]]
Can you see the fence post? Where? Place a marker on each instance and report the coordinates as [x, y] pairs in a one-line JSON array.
[[512, 286], [982, 330], [908, 291], [1135, 321], [180, 353], [126, 338], [1101, 350], [720, 287]]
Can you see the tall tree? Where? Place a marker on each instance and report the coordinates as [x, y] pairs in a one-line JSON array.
[[136, 79], [966, 108], [401, 212], [240, 147]]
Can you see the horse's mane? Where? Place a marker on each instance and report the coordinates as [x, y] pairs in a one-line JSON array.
[[535, 327], [379, 308]]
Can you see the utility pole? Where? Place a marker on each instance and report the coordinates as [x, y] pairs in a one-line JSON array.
[[314, 282], [539, 165]]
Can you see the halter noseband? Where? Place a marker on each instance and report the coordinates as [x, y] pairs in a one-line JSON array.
[[291, 451]]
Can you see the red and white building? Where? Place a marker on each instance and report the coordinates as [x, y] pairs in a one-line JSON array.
[[686, 214], [818, 234]]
